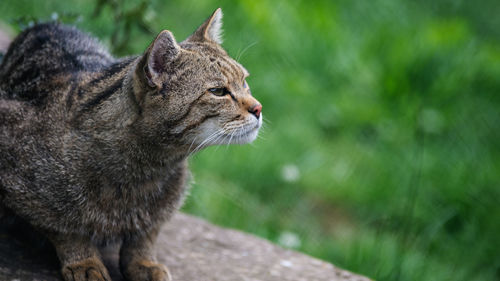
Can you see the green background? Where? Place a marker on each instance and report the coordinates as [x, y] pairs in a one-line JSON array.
[[381, 144]]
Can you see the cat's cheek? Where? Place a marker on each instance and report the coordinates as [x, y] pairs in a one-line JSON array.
[[208, 133]]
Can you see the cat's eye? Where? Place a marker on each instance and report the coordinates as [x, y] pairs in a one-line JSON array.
[[219, 91]]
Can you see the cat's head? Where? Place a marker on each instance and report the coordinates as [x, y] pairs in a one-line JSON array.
[[193, 92]]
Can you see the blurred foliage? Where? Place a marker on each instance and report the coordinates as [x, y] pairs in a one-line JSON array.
[[381, 148], [124, 20]]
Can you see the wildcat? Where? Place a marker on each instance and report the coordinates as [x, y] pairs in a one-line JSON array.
[[94, 148]]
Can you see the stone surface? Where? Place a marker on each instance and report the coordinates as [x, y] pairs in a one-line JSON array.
[[192, 249]]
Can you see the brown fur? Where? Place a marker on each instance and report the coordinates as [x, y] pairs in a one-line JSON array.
[[94, 148]]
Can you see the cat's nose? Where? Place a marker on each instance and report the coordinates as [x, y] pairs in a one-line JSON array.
[[256, 109]]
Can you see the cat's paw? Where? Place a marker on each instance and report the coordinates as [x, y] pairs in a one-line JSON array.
[[90, 269], [145, 270]]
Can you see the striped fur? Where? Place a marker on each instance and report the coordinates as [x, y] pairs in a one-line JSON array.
[[94, 148]]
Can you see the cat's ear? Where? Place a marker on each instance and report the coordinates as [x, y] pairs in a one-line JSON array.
[[163, 50], [210, 30]]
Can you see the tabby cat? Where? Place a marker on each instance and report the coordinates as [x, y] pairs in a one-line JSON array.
[[94, 148]]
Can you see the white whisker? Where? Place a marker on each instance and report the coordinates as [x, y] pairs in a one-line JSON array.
[[217, 140], [208, 139], [240, 54], [230, 138], [189, 149]]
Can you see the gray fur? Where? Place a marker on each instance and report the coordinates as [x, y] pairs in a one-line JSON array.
[[94, 148]]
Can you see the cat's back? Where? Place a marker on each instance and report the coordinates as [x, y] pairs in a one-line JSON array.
[[45, 54]]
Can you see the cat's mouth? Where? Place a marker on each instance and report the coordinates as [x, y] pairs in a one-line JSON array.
[[214, 134], [243, 135]]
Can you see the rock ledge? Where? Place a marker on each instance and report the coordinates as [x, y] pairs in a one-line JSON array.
[[192, 249]]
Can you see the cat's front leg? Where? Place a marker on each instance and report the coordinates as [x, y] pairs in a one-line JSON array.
[[79, 258], [138, 261]]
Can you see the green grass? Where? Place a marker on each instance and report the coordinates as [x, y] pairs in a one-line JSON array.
[[385, 114]]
